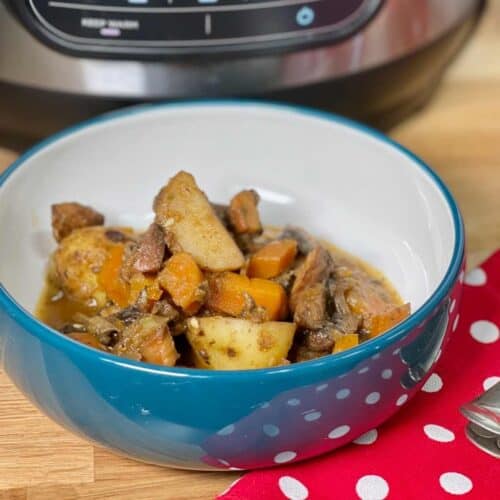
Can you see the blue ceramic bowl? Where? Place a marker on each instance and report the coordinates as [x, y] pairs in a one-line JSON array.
[[337, 178]]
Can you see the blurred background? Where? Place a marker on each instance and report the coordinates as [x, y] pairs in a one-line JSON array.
[[373, 60], [426, 71]]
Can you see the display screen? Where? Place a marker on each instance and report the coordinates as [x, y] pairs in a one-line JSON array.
[[194, 25]]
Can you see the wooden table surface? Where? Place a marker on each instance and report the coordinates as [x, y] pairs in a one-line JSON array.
[[458, 133]]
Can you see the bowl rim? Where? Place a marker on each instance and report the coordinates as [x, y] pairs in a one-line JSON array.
[[363, 351]]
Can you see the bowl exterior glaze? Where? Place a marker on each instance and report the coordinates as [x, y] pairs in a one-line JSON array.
[[244, 421], [197, 419]]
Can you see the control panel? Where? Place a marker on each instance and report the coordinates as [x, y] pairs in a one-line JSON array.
[[194, 26]]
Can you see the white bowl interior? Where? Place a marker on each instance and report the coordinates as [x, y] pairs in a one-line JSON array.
[[338, 182]]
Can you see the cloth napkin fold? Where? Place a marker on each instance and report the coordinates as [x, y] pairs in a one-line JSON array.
[[422, 452]]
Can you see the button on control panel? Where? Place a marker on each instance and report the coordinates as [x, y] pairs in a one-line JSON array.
[[196, 26]]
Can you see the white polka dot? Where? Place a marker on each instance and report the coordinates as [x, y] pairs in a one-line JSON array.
[[368, 437], [284, 456], [293, 402], [372, 398], [461, 276], [484, 331], [434, 383], [402, 400], [372, 487], [438, 355], [455, 483], [476, 277], [490, 382], [229, 429], [452, 306], [387, 374], [265, 405], [270, 430], [438, 433], [364, 369], [339, 431], [292, 488], [228, 489], [343, 393], [455, 323], [376, 356], [396, 351], [223, 462], [311, 417], [321, 387]]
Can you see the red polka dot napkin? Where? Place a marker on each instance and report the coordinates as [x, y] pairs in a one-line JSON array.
[[422, 452]]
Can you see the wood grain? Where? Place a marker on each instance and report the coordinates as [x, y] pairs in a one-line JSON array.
[[40, 460], [458, 134], [36, 464]]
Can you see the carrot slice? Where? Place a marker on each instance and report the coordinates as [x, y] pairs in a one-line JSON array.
[[376, 324], [271, 296], [273, 259], [227, 295], [181, 278], [88, 339], [344, 342], [140, 282], [110, 279]]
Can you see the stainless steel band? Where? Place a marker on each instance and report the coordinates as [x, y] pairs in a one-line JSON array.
[[401, 27]]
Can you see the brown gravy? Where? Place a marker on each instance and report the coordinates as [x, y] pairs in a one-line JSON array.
[[56, 309]]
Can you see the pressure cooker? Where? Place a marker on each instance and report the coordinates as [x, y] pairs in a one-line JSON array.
[[375, 60]]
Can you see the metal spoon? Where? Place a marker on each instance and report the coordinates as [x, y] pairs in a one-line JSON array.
[[483, 414]]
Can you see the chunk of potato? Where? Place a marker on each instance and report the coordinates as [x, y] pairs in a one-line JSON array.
[[77, 263], [236, 344], [191, 225]]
